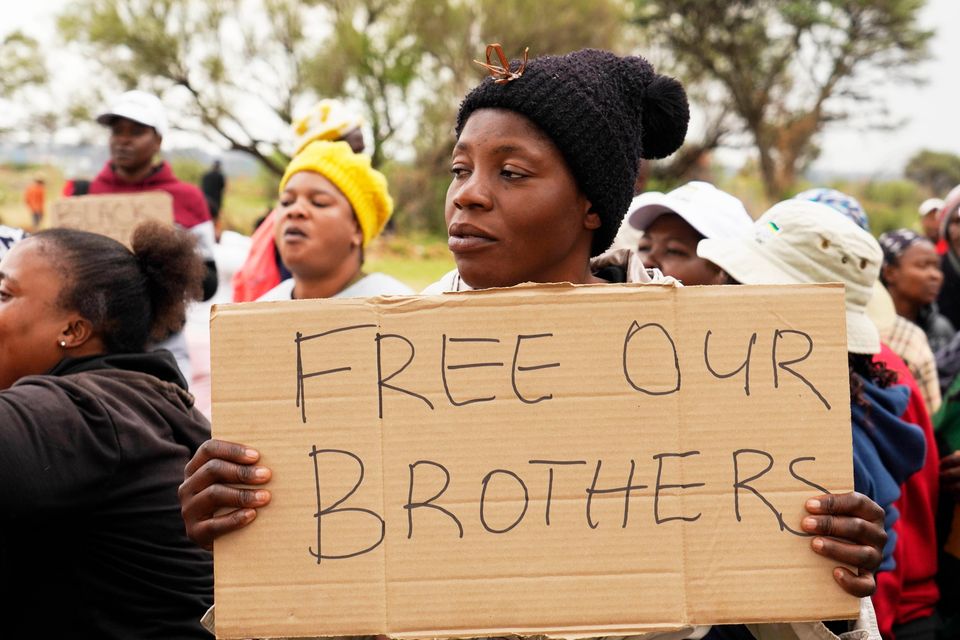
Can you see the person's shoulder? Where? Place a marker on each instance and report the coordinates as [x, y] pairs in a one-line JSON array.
[[283, 291], [385, 285], [450, 281], [375, 284]]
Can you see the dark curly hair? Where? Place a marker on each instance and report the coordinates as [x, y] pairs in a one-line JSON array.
[[130, 297], [863, 367]]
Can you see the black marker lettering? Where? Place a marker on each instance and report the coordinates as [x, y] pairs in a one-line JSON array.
[[745, 367], [411, 505], [335, 507], [552, 464], [444, 367], [626, 489], [631, 332], [301, 376], [785, 365], [656, 496], [744, 484], [483, 496], [796, 475], [536, 367], [382, 382]]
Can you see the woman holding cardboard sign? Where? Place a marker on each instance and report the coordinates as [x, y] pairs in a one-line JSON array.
[[543, 170], [95, 433]]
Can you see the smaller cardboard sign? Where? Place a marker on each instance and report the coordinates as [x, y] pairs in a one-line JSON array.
[[115, 215]]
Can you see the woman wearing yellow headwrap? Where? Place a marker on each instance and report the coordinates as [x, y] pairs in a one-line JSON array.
[[332, 204]]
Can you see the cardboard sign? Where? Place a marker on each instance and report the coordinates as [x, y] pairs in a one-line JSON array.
[[115, 216], [560, 460]]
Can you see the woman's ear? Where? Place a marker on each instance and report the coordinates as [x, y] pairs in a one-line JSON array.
[[356, 240], [888, 273], [591, 219], [77, 332]]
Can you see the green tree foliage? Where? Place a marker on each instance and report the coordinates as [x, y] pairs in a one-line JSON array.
[[239, 65], [407, 62], [786, 68], [936, 171], [21, 63]]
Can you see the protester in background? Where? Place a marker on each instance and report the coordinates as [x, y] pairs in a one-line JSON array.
[[674, 223], [905, 339], [328, 120], [212, 184], [532, 198], [34, 196], [95, 435], [949, 298], [332, 204], [930, 210], [906, 596], [137, 123], [911, 273], [947, 424]]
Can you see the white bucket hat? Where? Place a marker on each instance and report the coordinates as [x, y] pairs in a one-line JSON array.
[[712, 212], [798, 242], [138, 106]]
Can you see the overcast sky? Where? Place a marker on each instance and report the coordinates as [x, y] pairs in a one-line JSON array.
[[931, 112]]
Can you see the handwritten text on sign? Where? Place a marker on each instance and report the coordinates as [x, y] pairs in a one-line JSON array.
[[115, 216], [537, 460]]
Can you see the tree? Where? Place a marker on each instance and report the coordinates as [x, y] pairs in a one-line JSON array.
[[937, 171], [238, 63], [787, 68], [21, 63]]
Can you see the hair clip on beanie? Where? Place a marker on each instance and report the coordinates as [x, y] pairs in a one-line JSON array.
[[604, 112]]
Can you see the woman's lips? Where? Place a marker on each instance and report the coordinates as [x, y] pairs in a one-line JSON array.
[[293, 234], [463, 237], [461, 244]]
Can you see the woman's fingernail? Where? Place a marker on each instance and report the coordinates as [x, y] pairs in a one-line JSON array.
[[817, 544], [261, 473], [810, 524], [262, 496], [813, 503], [251, 453]]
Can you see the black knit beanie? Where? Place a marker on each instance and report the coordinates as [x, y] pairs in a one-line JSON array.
[[604, 113]]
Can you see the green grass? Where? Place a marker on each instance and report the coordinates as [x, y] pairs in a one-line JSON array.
[[415, 259]]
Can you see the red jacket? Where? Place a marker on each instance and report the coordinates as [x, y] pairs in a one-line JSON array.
[[910, 591], [189, 205]]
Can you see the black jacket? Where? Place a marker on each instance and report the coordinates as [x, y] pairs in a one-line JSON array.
[[92, 544]]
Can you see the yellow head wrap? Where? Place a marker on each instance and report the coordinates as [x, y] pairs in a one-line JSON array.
[[364, 187], [327, 120]]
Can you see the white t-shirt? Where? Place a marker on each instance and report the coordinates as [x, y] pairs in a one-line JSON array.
[[375, 284]]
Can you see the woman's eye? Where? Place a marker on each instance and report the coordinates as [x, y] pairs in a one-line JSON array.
[[458, 171], [4, 296], [511, 174]]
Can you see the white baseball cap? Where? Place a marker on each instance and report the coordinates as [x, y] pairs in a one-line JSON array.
[[930, 204], [712, 212], [138, 106], [798, 242]]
